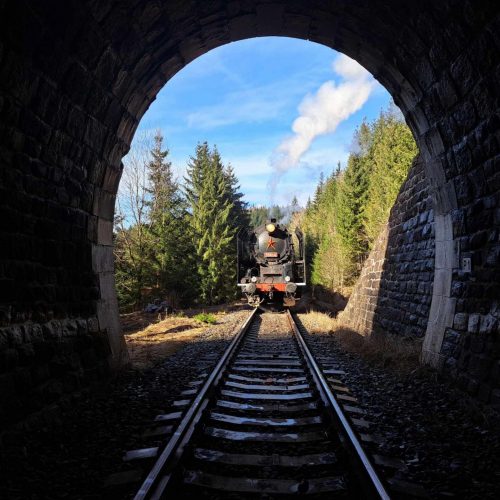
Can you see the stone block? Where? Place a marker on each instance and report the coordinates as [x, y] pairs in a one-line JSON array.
[[92, 325], [4, 339], [104, 232], [474, 321], [443, 225], [460, 322], [104, 204], [444, 254], [5, 313], [52, 330], [35, 333], [270, 18], [15, 335], [488, 324], [69, 328], [102, 259]]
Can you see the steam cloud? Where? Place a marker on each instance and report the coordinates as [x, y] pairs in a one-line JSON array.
[[321, 113]]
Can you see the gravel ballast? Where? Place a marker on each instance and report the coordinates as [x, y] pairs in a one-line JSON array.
[[73, 454], [448, 442]]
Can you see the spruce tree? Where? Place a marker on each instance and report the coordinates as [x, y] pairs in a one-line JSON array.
[[196, 169], [391, 156], [319, 190], [168, 238], [212, 192], [352, 193], [350, 208], [239, 212]]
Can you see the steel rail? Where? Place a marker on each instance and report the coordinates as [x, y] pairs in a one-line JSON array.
[[376, 487], [155, 483]]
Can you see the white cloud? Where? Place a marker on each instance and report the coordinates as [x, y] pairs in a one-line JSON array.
[[251, 104], [238, 107], [321, 113]]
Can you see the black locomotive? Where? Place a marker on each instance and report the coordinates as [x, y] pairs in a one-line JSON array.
[[271, 265]]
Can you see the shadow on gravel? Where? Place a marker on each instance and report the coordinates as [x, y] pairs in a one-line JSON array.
[[69, 450]]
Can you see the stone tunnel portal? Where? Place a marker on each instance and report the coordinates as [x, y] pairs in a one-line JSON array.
[[76, 78]]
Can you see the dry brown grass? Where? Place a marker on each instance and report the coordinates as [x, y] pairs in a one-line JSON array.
[[159, 340], [318, 322], [399, 354]]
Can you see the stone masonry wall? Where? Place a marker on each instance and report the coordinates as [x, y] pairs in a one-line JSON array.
[[394, 291], [360, 309], [40, 363]]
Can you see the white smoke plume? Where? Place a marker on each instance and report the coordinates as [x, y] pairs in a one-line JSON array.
[[321, 113]]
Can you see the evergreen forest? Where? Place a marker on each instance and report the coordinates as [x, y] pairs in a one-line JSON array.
[[176, 241], [351, 206]]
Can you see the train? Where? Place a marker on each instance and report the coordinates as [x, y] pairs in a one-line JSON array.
[[271, 264]]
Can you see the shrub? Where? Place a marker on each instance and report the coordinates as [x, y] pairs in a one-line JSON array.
[[207, 318]]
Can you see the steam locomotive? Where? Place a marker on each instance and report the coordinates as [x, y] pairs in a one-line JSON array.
[[271, 264]]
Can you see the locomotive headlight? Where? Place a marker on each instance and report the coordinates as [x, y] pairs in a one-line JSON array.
[[254, 279], [270, 228], [287, 278]]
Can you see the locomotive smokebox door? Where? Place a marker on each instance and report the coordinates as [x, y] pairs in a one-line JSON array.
[[271, 268]]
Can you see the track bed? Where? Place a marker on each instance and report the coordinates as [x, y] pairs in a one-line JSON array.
[[264, 426]]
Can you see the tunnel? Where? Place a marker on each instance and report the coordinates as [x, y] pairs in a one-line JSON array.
[[77, 76]]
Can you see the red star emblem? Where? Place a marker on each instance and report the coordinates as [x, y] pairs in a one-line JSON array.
[[271, 244]]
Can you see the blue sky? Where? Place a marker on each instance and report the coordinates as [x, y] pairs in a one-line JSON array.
[[246, 97]]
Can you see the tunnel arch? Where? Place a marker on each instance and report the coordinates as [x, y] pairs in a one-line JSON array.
[[407, 90], [75, 80]]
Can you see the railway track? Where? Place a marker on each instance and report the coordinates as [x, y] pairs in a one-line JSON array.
[[264, 424]]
